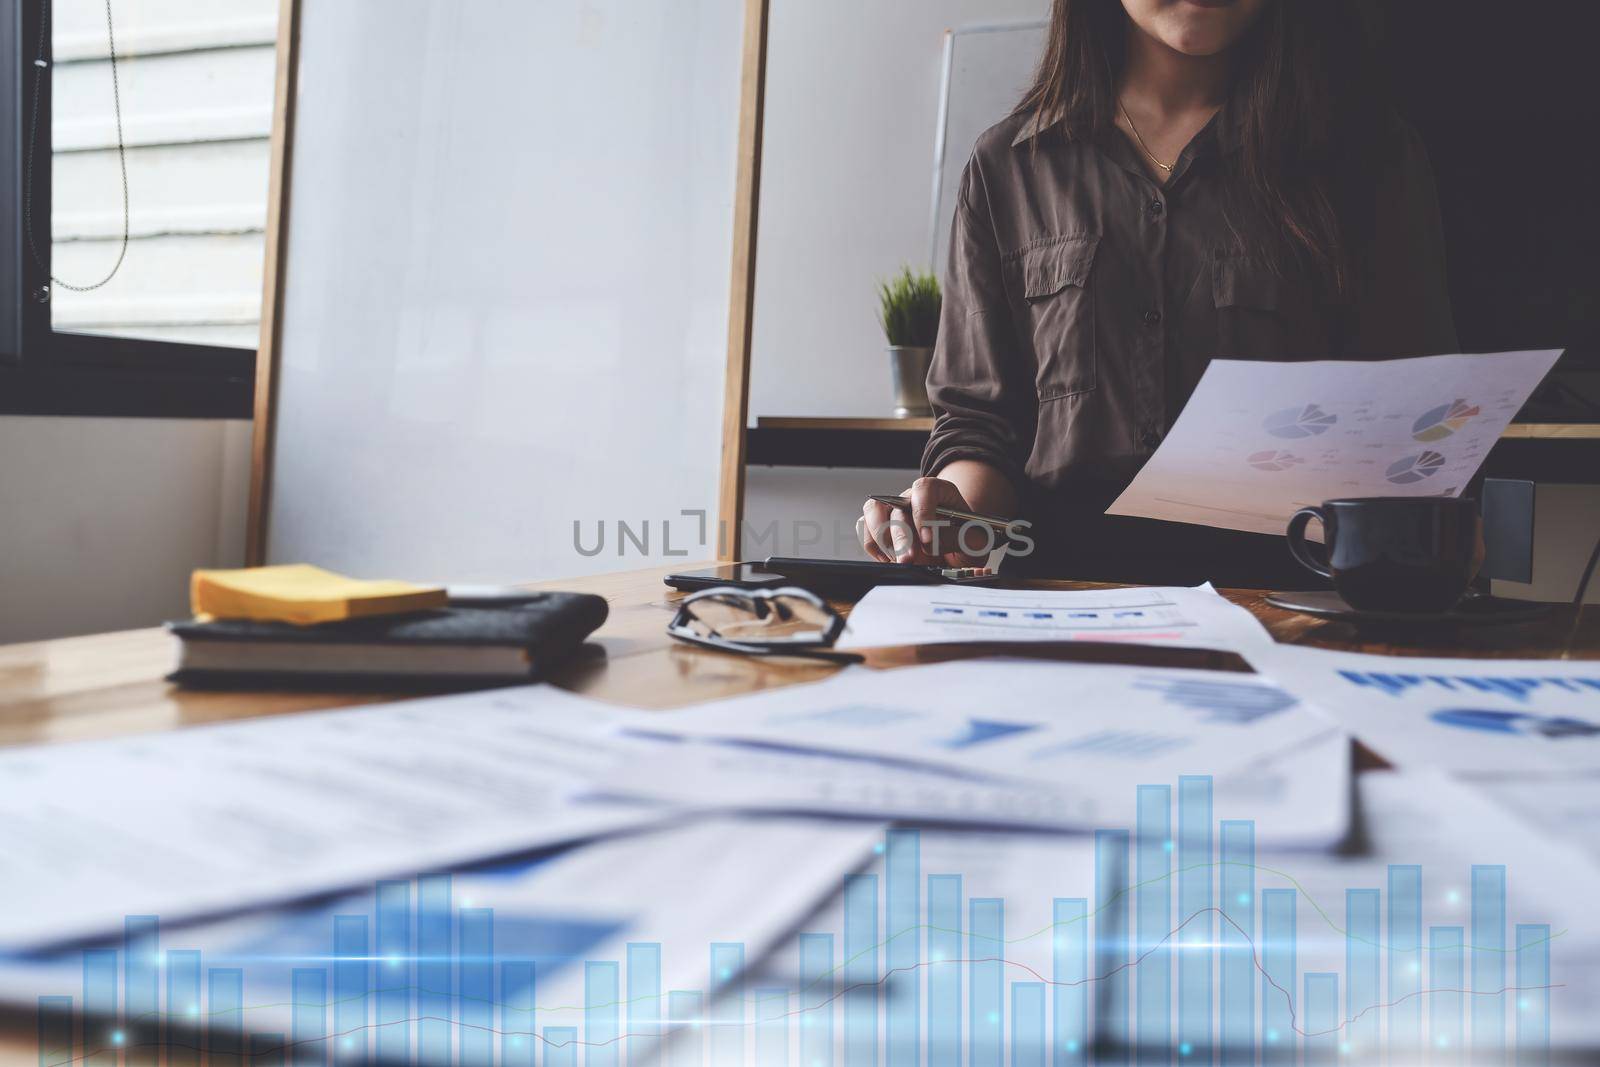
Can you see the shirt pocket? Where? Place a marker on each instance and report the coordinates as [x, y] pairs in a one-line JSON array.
[[1247, 295], [1059, 312]]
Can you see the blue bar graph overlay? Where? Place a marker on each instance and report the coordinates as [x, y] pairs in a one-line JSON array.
[[561, 1046], [1238, 882], [1533, 994], [986, 969], [1446, 980], [141, 964], [903, 948], [728, 1004], [1488, 959], [181, 1033], [1362, 937], [1069, 953], [1111, 960], [475, 975], [817, 987], [1196, 876], [1027, 1024], [685, 1008], [1153, 924], [600, 1013], [435, 975], [1277, 952], [1162, 964], [394, 967], [517, 1015], [352, 982], [308, 1031], [945, 953], [102, 1026], [224, 1015], [644, 1004], [1322, 1019], [772, 1026], [1405, 962]]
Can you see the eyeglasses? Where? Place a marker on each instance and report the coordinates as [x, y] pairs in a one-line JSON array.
[[761, 622]]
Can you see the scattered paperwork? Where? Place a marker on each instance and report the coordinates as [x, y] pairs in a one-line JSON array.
[[1094, 726], [1299, 798], [1546, 882], [1258, 441], [931, 614], [1468, 716], [590, 903], [221, 817]]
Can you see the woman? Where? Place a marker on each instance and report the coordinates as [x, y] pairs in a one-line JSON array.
[[1186, 179]]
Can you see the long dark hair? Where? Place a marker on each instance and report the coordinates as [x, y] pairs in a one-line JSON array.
[[1307, 103]]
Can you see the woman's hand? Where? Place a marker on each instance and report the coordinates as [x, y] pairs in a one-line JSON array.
[[890, 536]]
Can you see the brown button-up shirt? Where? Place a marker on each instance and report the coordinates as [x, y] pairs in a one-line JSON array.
[[1083, 301]]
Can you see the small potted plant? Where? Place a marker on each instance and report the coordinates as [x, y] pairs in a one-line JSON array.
[[909, 312]]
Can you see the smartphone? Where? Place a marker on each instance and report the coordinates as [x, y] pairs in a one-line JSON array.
[[738, 575]]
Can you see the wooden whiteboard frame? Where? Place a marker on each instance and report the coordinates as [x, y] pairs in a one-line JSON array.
[[274, 269], [741, 304]]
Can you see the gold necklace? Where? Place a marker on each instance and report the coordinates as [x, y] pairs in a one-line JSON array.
[[1137, 137]]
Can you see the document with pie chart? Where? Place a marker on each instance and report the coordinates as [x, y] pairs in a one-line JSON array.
[[1258, 441]]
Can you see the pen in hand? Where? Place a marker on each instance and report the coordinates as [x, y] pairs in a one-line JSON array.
[[992, 521], [919, 543]]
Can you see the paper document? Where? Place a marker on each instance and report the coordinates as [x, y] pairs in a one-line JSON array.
[[1092, 726], [1469, 716], [1333, 912], [676, 890], [1258, 441], [1297, 798], [930, 614], [226, 816]]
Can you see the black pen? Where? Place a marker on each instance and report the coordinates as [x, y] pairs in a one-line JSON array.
[[948, 513]]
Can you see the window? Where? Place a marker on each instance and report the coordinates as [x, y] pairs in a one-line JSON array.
[[133, 204]]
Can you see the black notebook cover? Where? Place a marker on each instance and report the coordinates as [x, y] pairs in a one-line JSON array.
[[548, 628]]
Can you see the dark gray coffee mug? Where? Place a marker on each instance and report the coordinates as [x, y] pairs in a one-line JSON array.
[[1410, 553]]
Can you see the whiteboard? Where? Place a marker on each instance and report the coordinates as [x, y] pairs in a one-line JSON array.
[[509, 244], [986, 71]]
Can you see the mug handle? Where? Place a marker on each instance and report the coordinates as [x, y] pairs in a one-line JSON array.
[[1297, 541]]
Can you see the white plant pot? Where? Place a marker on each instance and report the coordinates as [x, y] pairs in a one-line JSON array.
[[908, 370]]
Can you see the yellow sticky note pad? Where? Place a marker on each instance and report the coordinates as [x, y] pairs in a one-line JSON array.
[[303, 594]]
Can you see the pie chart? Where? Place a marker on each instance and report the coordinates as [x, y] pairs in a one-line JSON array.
[[1273, 460], [1294, 423], [1414, 468], [1436, 424]]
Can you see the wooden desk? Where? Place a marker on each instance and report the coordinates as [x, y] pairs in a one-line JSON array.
[[110, 684]]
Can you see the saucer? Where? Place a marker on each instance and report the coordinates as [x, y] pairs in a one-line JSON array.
[[1470, 611]]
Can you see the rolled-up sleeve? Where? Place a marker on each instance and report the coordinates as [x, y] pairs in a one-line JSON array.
[[1404, 308], [982, 410]]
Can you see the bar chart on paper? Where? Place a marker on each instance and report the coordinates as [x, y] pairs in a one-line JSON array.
[[1179, 944]]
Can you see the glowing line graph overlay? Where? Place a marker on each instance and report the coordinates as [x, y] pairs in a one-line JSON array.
[[1181, 956]]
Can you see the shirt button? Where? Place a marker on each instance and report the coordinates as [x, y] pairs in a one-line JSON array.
[[1156, 208], [1150, 439], [1152, 317]]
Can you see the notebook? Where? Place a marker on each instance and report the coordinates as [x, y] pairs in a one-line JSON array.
[[444, 648]]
